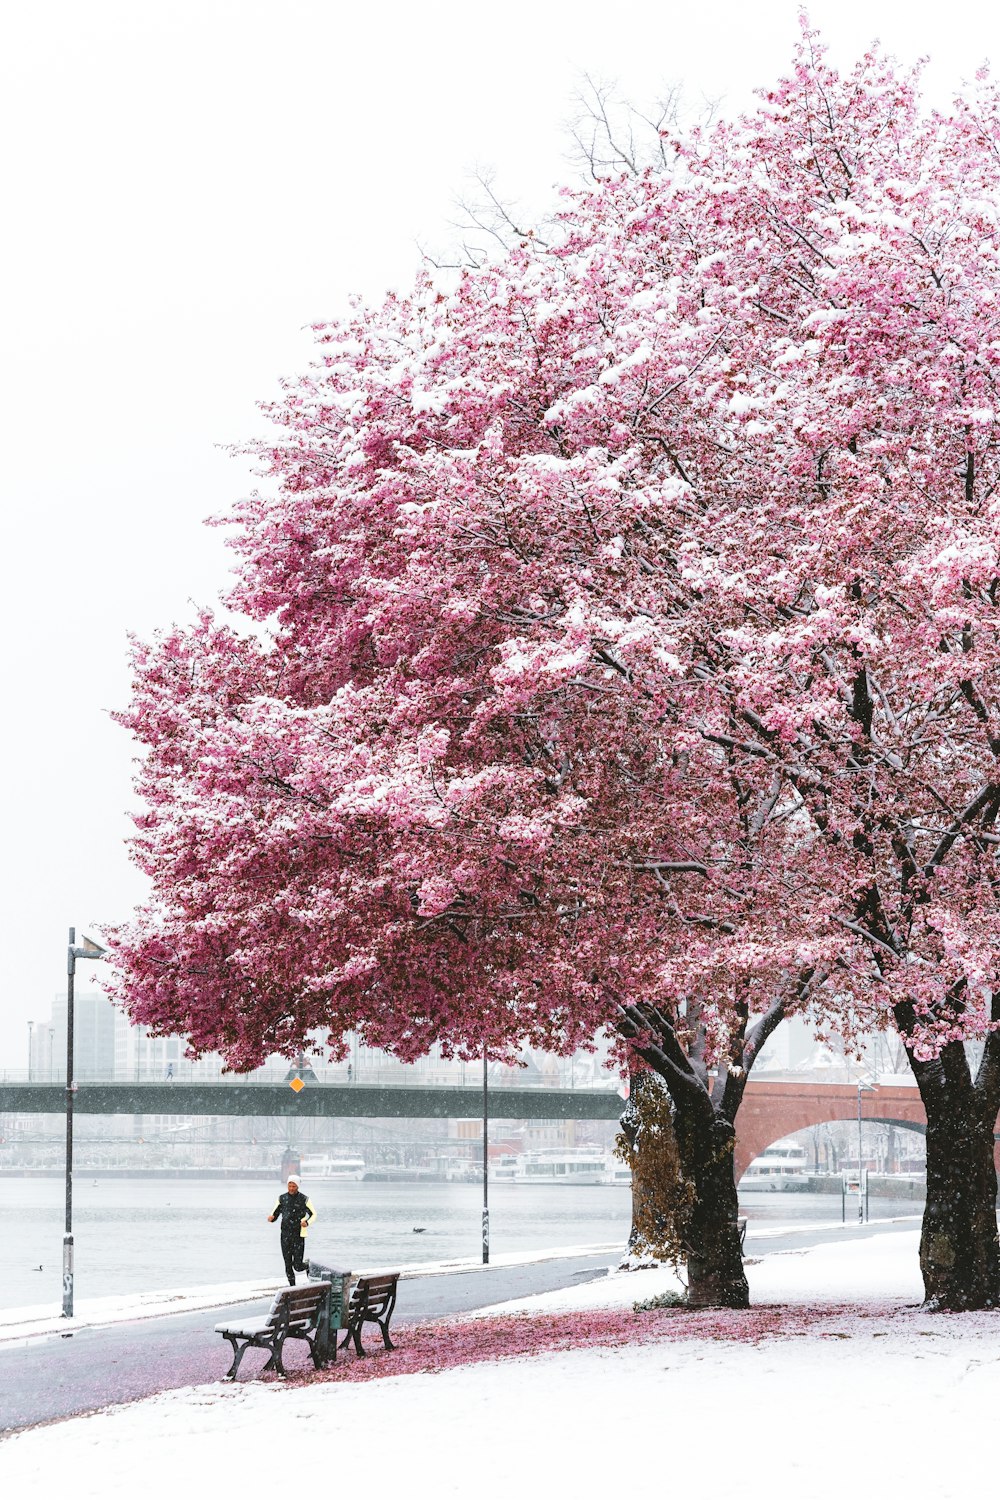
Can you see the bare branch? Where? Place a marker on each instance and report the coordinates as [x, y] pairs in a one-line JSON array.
[[989, 796], [611, 135]]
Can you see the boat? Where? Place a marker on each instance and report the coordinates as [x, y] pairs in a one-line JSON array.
[[781, 1168], [394, 1173], [504, 1169], [333, 1168], [570, 1166]]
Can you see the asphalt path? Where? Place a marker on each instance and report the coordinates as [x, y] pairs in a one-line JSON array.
[[62, 1375], [763, 1239]]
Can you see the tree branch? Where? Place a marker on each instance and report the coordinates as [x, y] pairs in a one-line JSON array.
[[980, 803]]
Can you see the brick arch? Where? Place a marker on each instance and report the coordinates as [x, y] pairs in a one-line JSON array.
[[770, 1111]]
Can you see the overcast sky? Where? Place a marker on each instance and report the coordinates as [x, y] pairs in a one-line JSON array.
[[186, 185]]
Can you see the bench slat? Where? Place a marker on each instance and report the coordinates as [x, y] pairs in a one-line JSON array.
[[245, 1330], [306, 1296], [298, 1304]]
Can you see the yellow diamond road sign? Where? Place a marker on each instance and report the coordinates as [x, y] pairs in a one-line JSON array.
[[296, 1084]]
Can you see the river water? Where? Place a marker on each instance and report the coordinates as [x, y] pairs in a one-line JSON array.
[[133, 1234]]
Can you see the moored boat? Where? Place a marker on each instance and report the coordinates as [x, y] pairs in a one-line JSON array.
[[570, 1166], [334, 1168], [781, 1168]]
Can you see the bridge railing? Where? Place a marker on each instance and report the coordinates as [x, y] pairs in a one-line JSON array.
[[470, 1076]]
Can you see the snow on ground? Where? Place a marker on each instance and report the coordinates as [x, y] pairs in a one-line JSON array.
[[885, 1266], [853, 1387]]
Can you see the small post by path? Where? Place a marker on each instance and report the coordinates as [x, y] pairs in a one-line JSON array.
[[486, 1170]]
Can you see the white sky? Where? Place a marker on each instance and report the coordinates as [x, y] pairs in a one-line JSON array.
[[184, 187]]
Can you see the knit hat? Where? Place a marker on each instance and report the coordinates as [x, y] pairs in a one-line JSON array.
[[292, 1179]]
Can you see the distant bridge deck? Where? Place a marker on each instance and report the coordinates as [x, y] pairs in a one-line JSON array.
[[380, 1101]]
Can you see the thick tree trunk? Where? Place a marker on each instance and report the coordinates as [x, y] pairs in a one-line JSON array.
[[661, 1191], [684, 1204], [629, 1124], [959, 1250], [704, 1106], [715, 1259]]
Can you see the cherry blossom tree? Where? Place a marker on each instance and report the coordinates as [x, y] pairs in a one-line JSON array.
[[536, 863], [622, 652], [848, 560], [450, 799]]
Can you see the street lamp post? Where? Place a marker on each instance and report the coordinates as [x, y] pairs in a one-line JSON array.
[[486, 1172], [89, 950], [862, 1088]]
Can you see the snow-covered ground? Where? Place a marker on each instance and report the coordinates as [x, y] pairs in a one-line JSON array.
[[852, 1389]]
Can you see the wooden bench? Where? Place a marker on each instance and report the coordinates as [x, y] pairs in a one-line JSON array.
[[373, 1300], [296, 1313]]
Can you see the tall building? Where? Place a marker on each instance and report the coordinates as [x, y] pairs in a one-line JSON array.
[[93, 1040], [139, 1056], [42, 1058]]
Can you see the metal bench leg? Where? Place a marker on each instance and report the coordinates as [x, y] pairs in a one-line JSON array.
[[275, 1360], [353, 1335], [385, 1333], [238, 1353]]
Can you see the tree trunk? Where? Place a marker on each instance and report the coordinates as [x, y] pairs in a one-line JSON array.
[[715, 1258], [662, 1195], [684, 1204], [959, 1250], [704, 1106], [629, 1124]]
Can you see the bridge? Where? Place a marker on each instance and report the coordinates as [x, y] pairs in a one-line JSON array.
[[773, 1107], [336, 1100]]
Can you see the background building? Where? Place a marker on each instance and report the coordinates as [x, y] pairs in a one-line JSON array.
[[94, 1021]]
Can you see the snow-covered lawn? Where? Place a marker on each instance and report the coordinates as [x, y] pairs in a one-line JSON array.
[[835, 1383]]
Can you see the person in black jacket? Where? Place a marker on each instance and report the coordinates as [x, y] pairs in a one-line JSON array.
[[295, 1211]]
